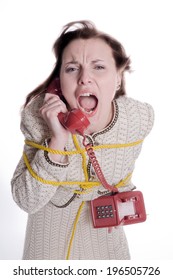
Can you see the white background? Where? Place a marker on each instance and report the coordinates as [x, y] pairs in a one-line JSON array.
[[28, 29]]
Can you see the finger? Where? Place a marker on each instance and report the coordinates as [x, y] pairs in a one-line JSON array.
[[56, 106], [53, 108], [50, 95], [49, 98]]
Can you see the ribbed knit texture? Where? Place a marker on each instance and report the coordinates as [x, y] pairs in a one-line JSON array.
[[49, 228]]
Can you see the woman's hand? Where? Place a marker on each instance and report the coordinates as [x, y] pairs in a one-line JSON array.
[[52, 106]]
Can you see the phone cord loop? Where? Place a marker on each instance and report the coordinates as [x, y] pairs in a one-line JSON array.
[[97, 168]]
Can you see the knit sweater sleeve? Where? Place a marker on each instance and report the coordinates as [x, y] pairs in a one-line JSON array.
[[146, 118], [31, 194]]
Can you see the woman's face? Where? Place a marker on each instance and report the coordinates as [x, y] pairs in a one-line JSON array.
[[89, 79]]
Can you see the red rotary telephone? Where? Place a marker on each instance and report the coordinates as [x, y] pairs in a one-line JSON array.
[[123, 208]]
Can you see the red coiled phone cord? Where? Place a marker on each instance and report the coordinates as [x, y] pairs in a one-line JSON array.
[[97, 168]]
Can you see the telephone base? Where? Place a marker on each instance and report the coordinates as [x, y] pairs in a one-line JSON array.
[[124, 208]]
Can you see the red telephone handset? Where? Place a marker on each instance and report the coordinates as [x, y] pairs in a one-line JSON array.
[[74, 120]]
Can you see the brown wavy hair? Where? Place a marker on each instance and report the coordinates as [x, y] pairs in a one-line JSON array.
[[83, 29]]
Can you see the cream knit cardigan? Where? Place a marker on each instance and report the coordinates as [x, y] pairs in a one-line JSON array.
[[49, 227]]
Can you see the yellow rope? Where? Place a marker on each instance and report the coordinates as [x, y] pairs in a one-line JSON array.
[[124, 181], [74, 229], [84, 185], [117, 146], [106, 146], [82, 152], [84, 166], [49, 150]]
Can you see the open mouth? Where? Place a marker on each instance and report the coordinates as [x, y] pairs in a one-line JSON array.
[[88, 103]]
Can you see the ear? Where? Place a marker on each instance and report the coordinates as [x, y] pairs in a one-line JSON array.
[[119, 79]]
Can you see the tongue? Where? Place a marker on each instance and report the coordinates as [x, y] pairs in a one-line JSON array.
[[88, 102]]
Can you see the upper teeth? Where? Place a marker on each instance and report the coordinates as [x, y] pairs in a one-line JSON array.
[[86, 94]]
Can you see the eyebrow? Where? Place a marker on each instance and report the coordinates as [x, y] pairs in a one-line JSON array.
[[72, 62], [98, 60], [76, 62]]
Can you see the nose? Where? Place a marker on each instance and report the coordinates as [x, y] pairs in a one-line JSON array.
[[84, 77]]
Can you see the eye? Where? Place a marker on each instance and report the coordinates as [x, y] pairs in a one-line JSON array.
[[99, 67], [71, 69]]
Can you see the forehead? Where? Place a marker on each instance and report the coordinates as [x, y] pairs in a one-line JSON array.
[[92, 48]]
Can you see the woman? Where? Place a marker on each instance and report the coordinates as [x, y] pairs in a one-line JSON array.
[[55, 181]]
